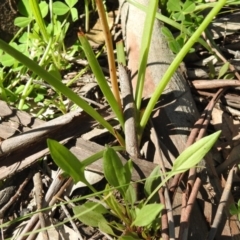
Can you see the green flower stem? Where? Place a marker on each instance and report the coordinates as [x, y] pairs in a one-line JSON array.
[[121, 58], [97, 71], [86, 5], [33, 66], [176, 62], [145, 45], [38, 17], [26, 91]]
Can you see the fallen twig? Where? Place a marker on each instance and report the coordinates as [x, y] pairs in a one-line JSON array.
[[215, 83], [38, 193], [16, 196], [221, 205], [129, 112], [71, 221]]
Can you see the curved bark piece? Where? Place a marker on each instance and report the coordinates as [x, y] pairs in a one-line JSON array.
[[179, 106], [176, 112]]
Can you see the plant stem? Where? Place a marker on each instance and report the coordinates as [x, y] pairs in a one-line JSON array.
[[33, 66], [176, 62], [38, 17], [86, 5], [145, 46]]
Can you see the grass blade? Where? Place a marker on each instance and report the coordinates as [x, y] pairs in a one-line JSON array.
[[38, 17], [176, 62], [54, 82], [145, 45], [97, 71]]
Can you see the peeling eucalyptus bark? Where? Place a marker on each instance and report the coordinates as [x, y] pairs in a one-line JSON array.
[[176, 112], [177, 100]]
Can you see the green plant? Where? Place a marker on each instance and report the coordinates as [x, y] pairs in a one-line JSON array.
[[235, 209], [94, 65], [132, 213], [132, 218], [43, 29]]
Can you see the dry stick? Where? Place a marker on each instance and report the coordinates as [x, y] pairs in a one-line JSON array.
[[207, 36], [164, 218], [195, 132], [109, 45], [52, 202], [38, 193], [193, 135], [15, 196], [57, 182], [215, 83], [169, 226], [232, 68], [192, 188], [185, 215], [129, 112], [202, 131], [221, 205], [215, 98], [71, 221]]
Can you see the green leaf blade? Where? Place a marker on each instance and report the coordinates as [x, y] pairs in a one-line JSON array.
[[66, 161], [152, 181], [193, 154], [88, 216], [60, 8], [147, 214], [114, 171], [96, 69], [22, 21]]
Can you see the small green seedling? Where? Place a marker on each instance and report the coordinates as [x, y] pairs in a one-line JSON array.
[[235, 209], [138, 219]]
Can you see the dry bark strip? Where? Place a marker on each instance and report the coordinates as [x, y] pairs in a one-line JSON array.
[[83, 149], [177, 112], [23, 150]]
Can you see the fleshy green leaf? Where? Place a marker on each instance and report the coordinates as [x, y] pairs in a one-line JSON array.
[[117, 208], [7, 60], [88, 216], [71, 3], [233, 209], [167, 33], [22, 21], [92, 60], [152, 181], [66, 161], [174, 6], [97, 207], [193, 154], [188, 7], [131, 196], [43, 8], [104, 227], [147, 214], [60, 8], [129, 236], [74, 14], [223, 70], [38, 98], [121, 58], [114, 171], [24, 8], [128, 171]]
